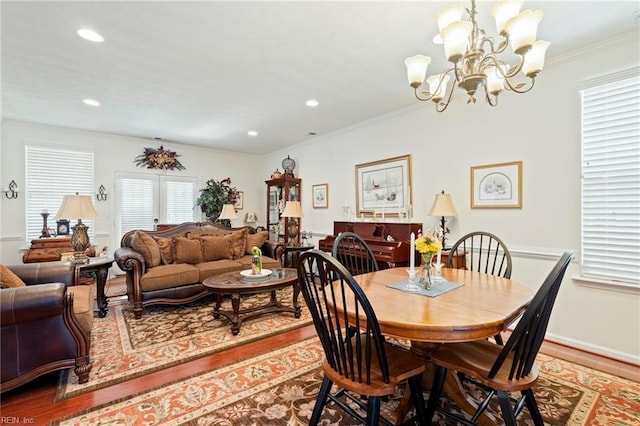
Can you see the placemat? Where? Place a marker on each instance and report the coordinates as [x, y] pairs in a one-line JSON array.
[[437, 288]]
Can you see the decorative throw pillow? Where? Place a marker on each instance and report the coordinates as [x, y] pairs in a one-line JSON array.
[[238, 243], [8, 279], [186, 250], [256, 239], [166, 253], [216, 248], [144, 244], [197, 233]]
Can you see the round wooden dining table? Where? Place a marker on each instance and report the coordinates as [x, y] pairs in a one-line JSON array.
[[482, 307]]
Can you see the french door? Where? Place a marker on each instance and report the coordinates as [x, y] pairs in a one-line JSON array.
[[144, 200]]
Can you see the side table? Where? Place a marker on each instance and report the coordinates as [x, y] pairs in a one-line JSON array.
[[98, 267], [290, 255]]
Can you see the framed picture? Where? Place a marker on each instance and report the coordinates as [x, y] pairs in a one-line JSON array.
[[497, 186], [384, 186], [321, 196], [239, 203]]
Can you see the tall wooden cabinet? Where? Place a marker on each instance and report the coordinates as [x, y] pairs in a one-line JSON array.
[[279, 191]]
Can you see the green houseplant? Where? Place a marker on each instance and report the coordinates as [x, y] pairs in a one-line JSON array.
[[214, 196]]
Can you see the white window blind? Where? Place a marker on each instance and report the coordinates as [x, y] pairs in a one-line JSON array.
[[611, 178], [52, 173], [179, 200]]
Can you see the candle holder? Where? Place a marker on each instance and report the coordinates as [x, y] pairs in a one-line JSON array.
[[413, 278], [45, 229], [437, 275]]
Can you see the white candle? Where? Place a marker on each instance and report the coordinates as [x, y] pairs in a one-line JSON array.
[[439, 256], [383, 214], [412, 252]]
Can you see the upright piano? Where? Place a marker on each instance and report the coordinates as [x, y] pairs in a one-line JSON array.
[[389, 241]]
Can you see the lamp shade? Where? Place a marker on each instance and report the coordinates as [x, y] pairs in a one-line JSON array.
[[77, 207], [443, 206], [228, 212], [292, 209]]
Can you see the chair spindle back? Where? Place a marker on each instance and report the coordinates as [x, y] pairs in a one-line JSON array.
[[354, 253]]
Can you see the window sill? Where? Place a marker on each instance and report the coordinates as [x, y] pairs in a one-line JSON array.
[[609, 285]]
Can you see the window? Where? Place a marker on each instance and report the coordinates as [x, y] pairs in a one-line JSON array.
[[52, 173], [143, 199], [611, 178]]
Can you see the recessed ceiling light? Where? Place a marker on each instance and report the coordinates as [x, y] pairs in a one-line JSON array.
[[312, 103], [91, 102], [252, 133], [90, 35]]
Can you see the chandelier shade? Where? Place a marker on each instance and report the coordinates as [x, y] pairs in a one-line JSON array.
[[476, 58]]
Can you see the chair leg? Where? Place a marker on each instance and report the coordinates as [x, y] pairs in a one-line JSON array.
[[498, 339], [434, 395], [373, 411], [507, 410], [320, 401], [418, 399], [532, 405]]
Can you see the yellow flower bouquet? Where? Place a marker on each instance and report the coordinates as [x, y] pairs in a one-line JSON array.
[[427, 245]]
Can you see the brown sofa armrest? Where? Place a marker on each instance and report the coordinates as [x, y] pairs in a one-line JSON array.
[[272, 249], [46, 272], [129, 260], [31, 303]]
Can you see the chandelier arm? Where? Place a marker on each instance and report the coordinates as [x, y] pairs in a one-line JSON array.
[[428, 98], [518, 90], [449, 96]]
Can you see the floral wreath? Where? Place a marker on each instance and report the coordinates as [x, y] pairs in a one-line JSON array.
[[160, 158]]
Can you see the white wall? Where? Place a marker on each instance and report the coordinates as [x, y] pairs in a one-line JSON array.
[[112, 154], [541, 129]]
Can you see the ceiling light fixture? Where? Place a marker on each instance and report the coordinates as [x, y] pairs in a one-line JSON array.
[[252, 133], [312, 103], [473, 67], [91, 102], [90, 35]]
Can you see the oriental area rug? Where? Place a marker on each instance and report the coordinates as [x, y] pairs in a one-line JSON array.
[[123, 348], [279, 387]]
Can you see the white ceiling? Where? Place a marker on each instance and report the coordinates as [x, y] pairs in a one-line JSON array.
[[206, 72]]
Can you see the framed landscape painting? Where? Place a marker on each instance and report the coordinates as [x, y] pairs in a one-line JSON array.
[[384, 186], [321, 196], [497, 186]]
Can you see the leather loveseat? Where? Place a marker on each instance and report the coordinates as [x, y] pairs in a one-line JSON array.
[[45, 325], [168, 266]]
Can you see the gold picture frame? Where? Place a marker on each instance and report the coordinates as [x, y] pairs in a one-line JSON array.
[[320, 196], [497, 186], [384, 186]]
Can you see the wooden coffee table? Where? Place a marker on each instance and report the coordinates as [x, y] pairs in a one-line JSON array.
[[236, 285]]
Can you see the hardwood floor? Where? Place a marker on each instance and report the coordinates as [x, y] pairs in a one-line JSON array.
[[33, 402]]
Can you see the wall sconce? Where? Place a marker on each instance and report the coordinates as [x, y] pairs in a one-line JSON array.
[[13, 192], [102, 194]]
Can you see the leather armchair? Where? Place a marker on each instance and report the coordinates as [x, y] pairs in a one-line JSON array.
[[44, 326]]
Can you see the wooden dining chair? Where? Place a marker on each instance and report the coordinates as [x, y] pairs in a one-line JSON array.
[[354, 253], [356, 356], [502, 369], [484, 252]]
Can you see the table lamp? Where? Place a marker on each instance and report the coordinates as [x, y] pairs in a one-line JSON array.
[[293, 210], [228, 212], [78, 207], [443, 206]]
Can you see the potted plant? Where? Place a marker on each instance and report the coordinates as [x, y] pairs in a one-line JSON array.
[[214, 196]]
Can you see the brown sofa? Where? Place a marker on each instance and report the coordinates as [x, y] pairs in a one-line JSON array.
[[168, 266], [45, 325]]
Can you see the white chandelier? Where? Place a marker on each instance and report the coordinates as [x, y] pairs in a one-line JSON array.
[[475, 55]]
